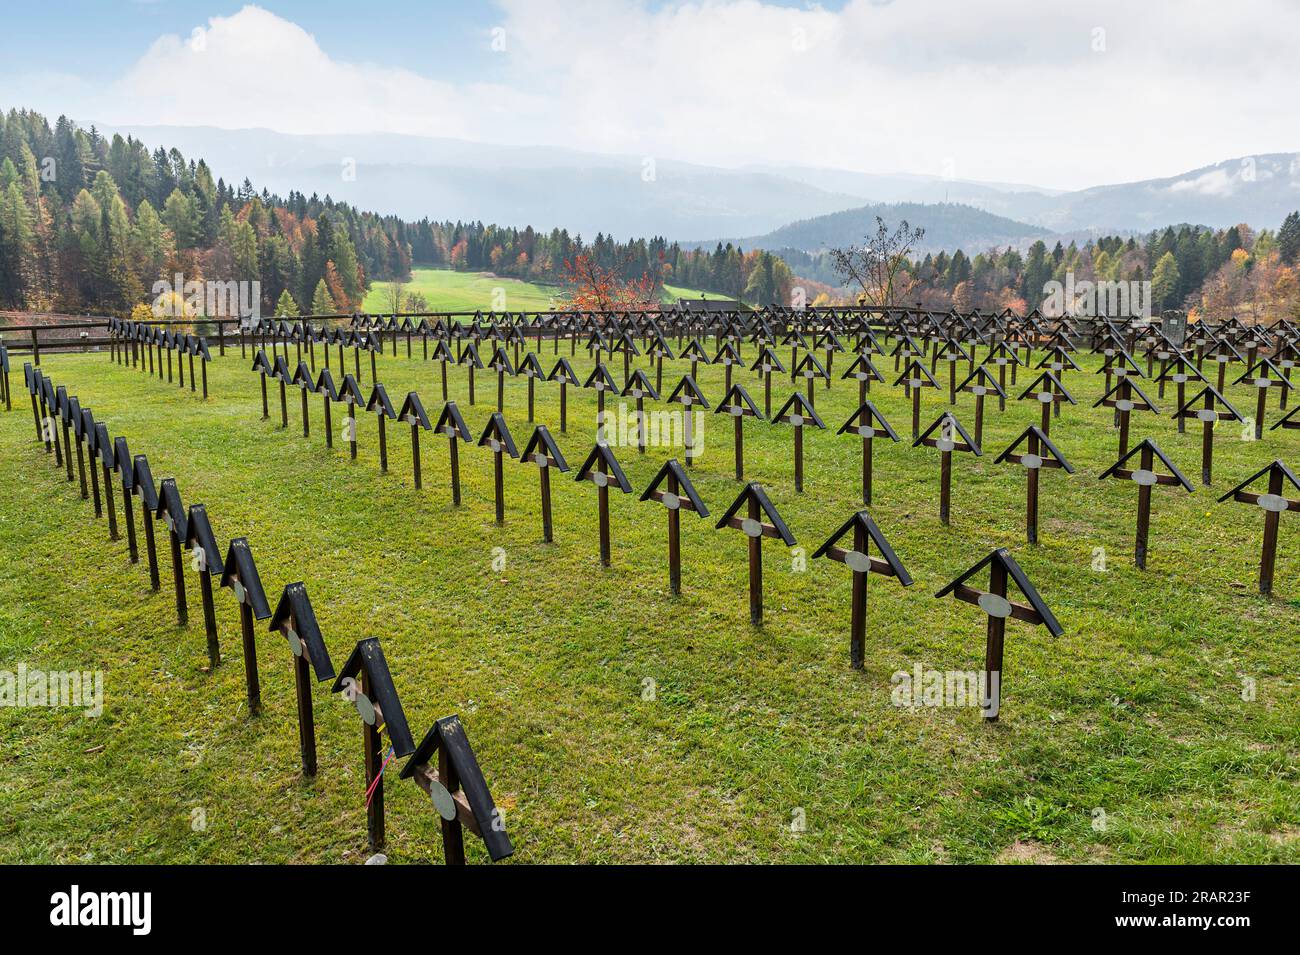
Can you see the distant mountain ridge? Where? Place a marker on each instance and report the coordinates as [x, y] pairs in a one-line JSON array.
[[947, 226], [631, 196]]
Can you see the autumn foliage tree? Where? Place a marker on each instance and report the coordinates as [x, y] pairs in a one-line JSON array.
[[595, 287]]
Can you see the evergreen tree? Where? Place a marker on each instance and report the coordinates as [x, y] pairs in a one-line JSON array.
[[1288, 239], [286, 306], [321, 303]]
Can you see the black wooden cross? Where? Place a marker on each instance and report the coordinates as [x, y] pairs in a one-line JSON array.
[[1144, 477], [951, 437], [497, 439], [302, 378], [1039, 453], [981, 384], [1121, 398], [755, 528], [679, 495], [382, 408], [172, 511], [864, 372], [376, 701], [1273, 502], [916, 376], [413, 413], [1049, 391], [997, 607], [868, 423], [240, 575], [688, 395], [765, 364], [205, 558], [1208, 414], [452, 424], [638, 387], [1263, 374], [329, 394], [737, 403], [797, 412], [295, 619], [600, 468], [542, 451], [458, 791], [144, 488], [859, 560]]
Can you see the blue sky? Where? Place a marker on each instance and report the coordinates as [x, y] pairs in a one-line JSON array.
[[1009, 90], [103, 37]]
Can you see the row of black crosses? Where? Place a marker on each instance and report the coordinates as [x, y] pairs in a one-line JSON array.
[[752, 513], [954, 338], [455, 784], [1033, 449], [138, 345]]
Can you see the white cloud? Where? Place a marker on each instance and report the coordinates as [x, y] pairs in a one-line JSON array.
[[1216, 182], [1013, 90]]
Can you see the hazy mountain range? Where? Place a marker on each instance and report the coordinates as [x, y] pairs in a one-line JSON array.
[[770, 206]]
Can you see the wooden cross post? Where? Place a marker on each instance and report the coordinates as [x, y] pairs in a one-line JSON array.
[[542, 451], [868, 423], [1208, 415], [600, 467], [1039, 453], [497, 439], [295, 619], [679, 495], [376, 700], [1145, 478], [865, 532], [952, 437], [126, 471], [916, 376], [106, 461], [797, 412], [144, 487], [1273, 503], [755, 528], [172, 511], [1263, 374], [382, 408], [206, 560], [458, 792], [240, 575], [454, 427], [997, 607], [737, 403]]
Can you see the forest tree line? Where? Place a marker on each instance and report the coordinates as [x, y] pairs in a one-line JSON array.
[[90, 223]]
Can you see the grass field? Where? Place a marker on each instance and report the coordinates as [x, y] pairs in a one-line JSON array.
[[450, 291], [1126, 739]]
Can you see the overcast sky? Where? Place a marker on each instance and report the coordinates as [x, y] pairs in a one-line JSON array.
[[1054, 94]]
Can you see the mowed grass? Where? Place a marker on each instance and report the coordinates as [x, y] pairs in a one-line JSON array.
[[448, 291], [1125, 740]]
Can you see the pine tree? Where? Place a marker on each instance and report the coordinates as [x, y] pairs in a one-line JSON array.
[[1288, 239], [287, 307], [1164, 282], [321, 303]]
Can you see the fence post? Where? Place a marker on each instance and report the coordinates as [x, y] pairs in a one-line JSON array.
[[36, 347], [221, 338]]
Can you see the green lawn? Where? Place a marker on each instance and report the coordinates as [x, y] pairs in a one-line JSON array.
[[450, 291], [1137, 712]]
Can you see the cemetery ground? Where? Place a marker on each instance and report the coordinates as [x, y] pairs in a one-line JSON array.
[[614, 722]]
